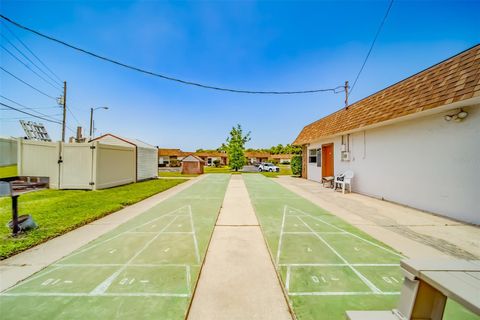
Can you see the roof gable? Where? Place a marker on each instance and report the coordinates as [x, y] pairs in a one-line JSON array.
[[192, 158], [134, 142]]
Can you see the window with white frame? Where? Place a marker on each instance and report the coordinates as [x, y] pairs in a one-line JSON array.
[[312, 156]]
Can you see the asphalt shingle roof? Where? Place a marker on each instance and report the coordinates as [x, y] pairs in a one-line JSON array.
[[455, 79]]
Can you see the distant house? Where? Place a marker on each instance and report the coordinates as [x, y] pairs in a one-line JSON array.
[[211, 156], [146, 155], [416, 142], [281, 158], [165, 156], [256, 156]]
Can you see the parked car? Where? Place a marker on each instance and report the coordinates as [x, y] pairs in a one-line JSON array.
[[268, 167]]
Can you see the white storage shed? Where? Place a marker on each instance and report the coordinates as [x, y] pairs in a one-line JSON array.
[[89, 166], [146, 155]]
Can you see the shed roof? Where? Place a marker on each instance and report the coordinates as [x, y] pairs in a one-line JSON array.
[[135, 142], [192, 158], [452, 80]]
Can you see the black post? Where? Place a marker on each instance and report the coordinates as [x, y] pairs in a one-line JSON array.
[[15, 228]]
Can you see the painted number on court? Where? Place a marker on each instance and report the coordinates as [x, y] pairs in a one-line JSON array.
[[127, 281], [323, 279], [390, 280], [53, 281]]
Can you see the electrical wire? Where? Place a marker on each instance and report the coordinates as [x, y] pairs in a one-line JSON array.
[[155, 74], [30, 60], [30, 114], [33, 54], [371, 46], [39, 108], [73, 115], [28, 67], [24, 82], [35, 116], [28, 108], [15, 118]]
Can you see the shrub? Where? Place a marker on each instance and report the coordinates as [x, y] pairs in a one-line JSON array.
[[216, 163], [296, 165], [174, 163]]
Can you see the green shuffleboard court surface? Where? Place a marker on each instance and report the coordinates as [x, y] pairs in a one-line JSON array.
[[146, 268], [327, 266]]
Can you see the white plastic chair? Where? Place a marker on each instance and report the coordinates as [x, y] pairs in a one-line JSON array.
[[344, 179]]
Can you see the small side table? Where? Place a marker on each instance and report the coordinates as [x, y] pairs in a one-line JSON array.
[[327, 182]]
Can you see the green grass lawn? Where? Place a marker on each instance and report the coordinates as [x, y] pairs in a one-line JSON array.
[[284, 170], [59, 211], [146, 268], [175, 174], [8, 171]]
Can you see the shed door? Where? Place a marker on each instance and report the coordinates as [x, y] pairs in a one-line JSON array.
[[76, 168], [327, 160]]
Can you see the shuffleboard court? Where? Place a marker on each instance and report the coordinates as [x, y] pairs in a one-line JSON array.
[[146, 268], [327, 266]]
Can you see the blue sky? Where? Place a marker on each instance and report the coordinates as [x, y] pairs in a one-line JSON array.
[[258, 45]]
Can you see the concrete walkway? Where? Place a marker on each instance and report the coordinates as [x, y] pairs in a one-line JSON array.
[[238, 279], [415, 233], [24, 264]]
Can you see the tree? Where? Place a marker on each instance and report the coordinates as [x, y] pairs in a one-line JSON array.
[[222, 148], [236, 147]]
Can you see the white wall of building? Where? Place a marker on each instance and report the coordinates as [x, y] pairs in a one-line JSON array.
[[163, 159], [147, 166], [426, 163]]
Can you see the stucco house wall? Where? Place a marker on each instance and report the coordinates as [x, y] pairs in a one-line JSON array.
[[426, 163]]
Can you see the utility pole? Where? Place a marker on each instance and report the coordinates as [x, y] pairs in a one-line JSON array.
[[91, 124], [346, 95], [64, 102]]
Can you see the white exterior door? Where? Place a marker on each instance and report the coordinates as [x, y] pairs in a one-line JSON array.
[[76, 166]]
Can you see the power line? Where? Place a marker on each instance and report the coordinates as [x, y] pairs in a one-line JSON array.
[[73, 115], [28, 108], [28, 67], [334, 90], [30, 60], [39, 108], [30, 114], [16, 118], [53, 120], [22, 81], [33, 54], [373, 43]]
